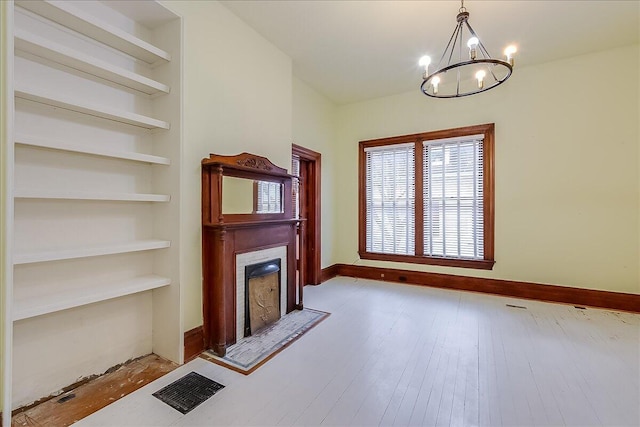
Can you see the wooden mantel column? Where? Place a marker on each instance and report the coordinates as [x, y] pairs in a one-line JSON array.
[[218, 318]]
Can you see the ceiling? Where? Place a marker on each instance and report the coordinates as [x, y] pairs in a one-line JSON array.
[[355, 50]]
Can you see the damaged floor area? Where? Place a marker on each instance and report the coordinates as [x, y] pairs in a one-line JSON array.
[[90, 396]]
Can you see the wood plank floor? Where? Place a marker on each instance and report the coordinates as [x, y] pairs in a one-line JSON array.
[[394, 354], [85, 399]]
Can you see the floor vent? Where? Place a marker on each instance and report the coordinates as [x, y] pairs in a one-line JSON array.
[[66, 398], [188, 392], [516, 306]]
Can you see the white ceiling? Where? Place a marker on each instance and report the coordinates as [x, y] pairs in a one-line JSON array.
[[355, 50]]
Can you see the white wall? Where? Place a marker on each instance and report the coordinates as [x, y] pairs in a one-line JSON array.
[[567, 168], [314, 128], [237, 97]]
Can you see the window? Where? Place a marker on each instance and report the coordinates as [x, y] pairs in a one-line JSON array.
[[428, 198], [390, 199], [453, 202], [268, 197]]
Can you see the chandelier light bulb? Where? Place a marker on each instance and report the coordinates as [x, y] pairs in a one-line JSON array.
[[435, 82], [480, 76], [473, 44], [424, 62], [508, 52]]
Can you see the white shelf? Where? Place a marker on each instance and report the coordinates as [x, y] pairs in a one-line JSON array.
[[34, 141], [67, 15], [62, 101], [89, 251], [86, 195], [60, 54], [44, 304]]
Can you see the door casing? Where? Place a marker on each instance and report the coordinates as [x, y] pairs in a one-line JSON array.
[[310, 162]]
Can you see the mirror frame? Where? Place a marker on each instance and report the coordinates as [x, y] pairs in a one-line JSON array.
[[245, 165]]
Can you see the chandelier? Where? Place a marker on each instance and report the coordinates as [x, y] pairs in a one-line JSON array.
[[467, 71]]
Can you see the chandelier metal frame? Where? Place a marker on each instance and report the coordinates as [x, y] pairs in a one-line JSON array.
[[498, 70]]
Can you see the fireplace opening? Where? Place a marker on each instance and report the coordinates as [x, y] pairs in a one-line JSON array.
[[262, 295]]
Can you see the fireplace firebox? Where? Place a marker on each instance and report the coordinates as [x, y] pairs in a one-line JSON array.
[[262, 295]]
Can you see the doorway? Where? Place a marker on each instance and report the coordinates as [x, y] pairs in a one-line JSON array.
[[306, 167]]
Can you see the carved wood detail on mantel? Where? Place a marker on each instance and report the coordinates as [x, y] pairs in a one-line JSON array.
[[255, 163], [245, 161]]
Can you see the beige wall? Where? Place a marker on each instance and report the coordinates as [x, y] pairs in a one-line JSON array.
[[237, 97], [567, 179], [314, 128], [240, 95]]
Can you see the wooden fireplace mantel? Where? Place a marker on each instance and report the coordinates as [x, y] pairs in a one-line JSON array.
[[226, 235]]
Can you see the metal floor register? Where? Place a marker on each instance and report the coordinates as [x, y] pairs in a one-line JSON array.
[[188, 392]]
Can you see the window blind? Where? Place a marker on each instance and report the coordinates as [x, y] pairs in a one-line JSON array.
[[390, 199], [269, 197], [295, 171], [453, 197]]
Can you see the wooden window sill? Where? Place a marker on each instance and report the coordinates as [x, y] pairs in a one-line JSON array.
[[480, 264]]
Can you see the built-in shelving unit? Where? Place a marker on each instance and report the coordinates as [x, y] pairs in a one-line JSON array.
[[96, 132]]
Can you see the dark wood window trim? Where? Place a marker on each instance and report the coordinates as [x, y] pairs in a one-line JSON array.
[[488, 189]]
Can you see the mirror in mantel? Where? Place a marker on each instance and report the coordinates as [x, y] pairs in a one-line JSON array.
[[247, 196]]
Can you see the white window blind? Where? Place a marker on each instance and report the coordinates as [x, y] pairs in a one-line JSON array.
[[269, 197], [295, 171], [390, 199], [453, 197]]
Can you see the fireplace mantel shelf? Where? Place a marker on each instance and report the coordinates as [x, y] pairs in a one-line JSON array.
[[248, 224]]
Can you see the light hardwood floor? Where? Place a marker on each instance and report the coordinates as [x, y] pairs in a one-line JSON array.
[[394, 354]]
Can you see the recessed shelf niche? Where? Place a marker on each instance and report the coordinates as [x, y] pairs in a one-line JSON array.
[[97, 135]]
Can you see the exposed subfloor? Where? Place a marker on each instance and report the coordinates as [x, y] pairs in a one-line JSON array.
[[75, 404], [394, 354]]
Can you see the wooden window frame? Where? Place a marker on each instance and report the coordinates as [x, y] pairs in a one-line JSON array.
[[488, 130]]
